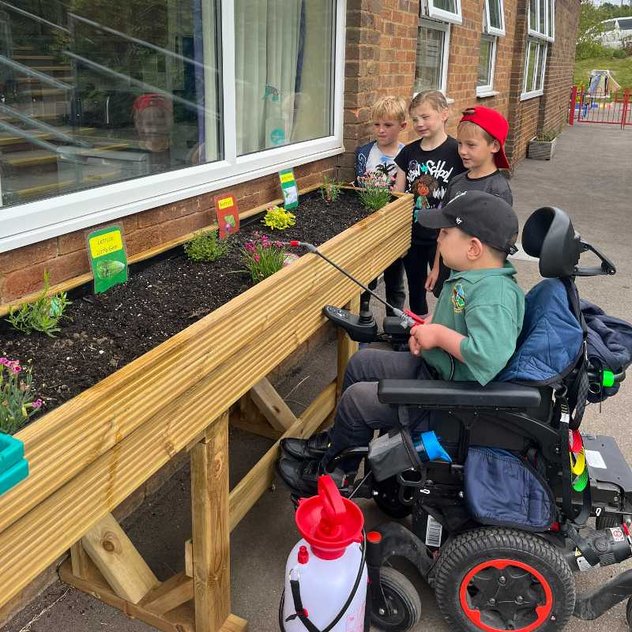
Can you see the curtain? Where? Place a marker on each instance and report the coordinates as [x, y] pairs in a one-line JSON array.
[[267, 60]]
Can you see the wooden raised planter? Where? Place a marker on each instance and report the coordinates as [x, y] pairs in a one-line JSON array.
[[91, 453]]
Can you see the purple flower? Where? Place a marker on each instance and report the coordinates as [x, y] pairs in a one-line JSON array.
[[38, 403]]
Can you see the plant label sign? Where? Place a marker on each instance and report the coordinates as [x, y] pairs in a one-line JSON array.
[[108, 258], [289, 189], [227, 215]]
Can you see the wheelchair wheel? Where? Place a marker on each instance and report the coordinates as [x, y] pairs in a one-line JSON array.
[[386, 497], [503, 579], [403, 599]]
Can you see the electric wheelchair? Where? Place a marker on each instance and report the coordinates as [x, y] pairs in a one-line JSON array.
[[489, 574]]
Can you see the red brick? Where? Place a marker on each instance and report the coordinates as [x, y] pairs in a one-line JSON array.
[[28, 255]]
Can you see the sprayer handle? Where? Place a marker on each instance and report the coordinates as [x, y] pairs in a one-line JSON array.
[[333, 507], [418, 319]]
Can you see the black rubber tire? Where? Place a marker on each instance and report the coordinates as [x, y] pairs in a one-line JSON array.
[[387, 500], [403, 596], [603, 522], [473, 550], [628, 613]]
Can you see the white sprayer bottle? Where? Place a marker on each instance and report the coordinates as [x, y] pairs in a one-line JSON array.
[[325, 575]]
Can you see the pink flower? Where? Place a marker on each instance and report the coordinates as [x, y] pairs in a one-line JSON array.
[[16, 368], [257, 258], [38, 403]]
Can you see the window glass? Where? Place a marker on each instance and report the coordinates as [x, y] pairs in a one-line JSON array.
[[430, 58], [485, 63], [445, 5], [531, 61], [495, 14], [551, 18], [539, 73], [94, 92], [283, 61], [533, 14]]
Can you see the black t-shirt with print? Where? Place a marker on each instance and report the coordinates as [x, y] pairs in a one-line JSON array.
[[428, 174]]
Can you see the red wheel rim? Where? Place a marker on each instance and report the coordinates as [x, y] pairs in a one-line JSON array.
[[541, 611]]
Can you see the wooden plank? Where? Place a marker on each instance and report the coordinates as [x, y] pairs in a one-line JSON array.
[[272, 406], [79, 560], [118, 560], [188, 558], [235, 624], [246, 416], [114, 436], [91, 424], [169, 595], [246, 493], [180, 619], [346, 346], [211, 534]]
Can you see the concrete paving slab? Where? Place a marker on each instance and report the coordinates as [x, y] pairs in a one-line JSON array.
[[590, 177]]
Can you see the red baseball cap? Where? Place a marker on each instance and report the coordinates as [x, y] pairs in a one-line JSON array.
[[495, 124]]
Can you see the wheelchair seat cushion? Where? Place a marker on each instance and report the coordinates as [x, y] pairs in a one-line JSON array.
[[550, 343]]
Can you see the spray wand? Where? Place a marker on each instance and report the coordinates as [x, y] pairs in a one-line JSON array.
[[408, 318]]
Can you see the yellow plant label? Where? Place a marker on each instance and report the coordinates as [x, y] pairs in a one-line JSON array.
[[105, 244], [287, 177], [225, 203]]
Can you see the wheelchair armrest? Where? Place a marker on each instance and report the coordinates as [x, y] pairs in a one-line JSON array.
[[435, 394]]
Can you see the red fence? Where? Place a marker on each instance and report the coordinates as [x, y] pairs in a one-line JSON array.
[[604, 107]]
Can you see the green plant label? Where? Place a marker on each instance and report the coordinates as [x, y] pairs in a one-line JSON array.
[[227, 215], [289, 189], [108, 259]]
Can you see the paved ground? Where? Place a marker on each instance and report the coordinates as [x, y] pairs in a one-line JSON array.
[[590, 177]]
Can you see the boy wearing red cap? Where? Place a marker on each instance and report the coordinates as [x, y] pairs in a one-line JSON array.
[[481, 137]]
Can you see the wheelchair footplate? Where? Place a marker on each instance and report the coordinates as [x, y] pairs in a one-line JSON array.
[[610, 475]]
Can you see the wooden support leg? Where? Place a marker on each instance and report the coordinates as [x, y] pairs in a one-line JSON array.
[[346, 347], [211, 531]]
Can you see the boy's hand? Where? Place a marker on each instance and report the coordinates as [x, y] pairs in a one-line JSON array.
[[431, 280], [424, 337]]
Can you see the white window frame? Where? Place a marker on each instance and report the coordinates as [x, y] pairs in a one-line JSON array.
[[529, 92], [488, 89], [427, 9], [438, 26], [548, 8], [36, 221], [492, 30]]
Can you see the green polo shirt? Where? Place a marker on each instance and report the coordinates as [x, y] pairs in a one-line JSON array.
[[487, 307]]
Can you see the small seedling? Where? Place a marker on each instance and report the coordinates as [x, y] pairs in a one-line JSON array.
[[330, 189], [263, 258], [278, 218], [375, 190], [43, 315], [206, 246]]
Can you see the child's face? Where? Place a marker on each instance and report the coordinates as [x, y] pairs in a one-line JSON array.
[[454, 246], [428, 122], [474, 149], [387, 131]]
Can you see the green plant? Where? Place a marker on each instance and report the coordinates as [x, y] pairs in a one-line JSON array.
[[263, 257], [278, 218], [43, 315], [547, 135], [206, 246], [17, 399], [375, 190], [330, 189]]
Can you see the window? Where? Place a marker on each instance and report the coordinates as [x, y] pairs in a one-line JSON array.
[[107, 109], [486, 63], [446, 10], [541, 32], [433, 46], [493, 27]]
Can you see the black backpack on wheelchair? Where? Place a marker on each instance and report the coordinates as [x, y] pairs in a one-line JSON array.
[[499, 531]]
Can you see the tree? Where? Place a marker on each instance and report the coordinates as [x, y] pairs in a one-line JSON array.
[[590, 29]]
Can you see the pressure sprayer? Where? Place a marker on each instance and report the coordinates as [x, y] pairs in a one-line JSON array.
[[326, 574], [408, 318]]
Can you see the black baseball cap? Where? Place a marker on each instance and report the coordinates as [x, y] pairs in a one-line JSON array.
[[479, 214]]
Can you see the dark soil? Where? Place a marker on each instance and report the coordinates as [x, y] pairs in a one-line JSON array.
[[162, 297]]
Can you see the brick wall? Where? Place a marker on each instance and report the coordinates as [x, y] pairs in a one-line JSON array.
[[65, 257]]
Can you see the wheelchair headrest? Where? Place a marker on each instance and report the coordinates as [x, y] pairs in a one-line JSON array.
[[549, 235]]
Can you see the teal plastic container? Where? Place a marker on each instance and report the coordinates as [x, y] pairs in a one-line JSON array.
[[13, 466], [11, 451], [11, 477]]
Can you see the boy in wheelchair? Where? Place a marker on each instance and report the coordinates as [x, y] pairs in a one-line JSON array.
[[498, 531], [472, 335]]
